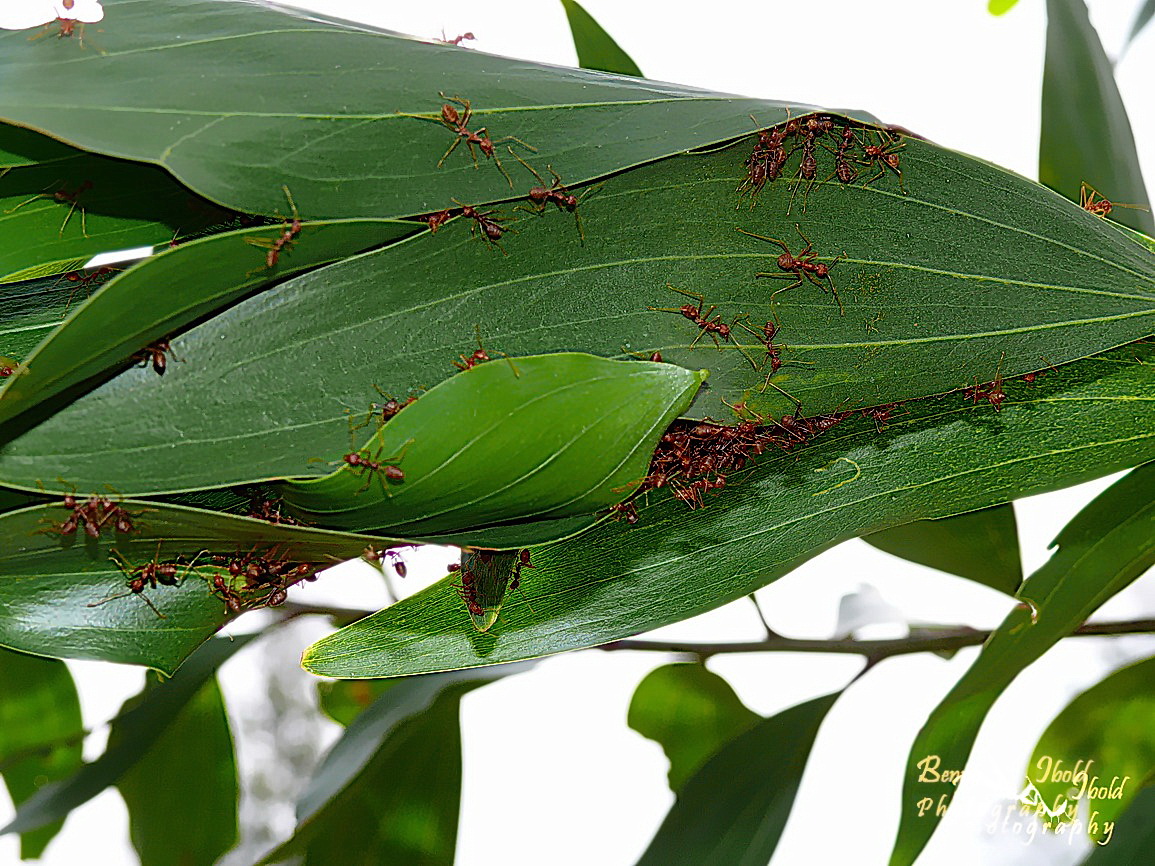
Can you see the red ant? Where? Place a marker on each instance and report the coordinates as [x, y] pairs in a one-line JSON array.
[[457, 40], [522, 562], [382, 468], [1100, 207], [277, 245], [62, 196], [468, 589], [885, 155], [82, 280], [10, 367], [695, 315], [150, 574], [773, 350], [843, 170], [437, 220], [376, 557], [766, 160], [803, 267], [1038, 374], [880, 414], [155, 353], [480, 356], [626, 511], [992, 391], [557, 193], [458, 122], [388, 409], [491, 226]]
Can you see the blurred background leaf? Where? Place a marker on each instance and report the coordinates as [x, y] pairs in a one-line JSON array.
[[596, 49]]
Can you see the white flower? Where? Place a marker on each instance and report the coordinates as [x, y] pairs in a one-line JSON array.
[[26, 14]]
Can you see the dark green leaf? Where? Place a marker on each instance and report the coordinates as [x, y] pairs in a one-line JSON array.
[[596, 49], [395, 777], [126, 205], [941, 291], [1133, 836], [182, 792], [691, 713], [1103, 549], [594, 424], [1107, 728], [733, 809], [982, 545], [48, 581], [139, 728], [165, 293], [30, 311], [1086, 136], [41, 732], [616, 580], [1142, 18], [192, 84], [19, 147]]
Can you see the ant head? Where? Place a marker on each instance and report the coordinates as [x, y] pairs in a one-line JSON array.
[[485, 145]]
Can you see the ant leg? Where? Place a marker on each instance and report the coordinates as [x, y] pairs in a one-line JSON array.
[[700, 298], [452, 147], [764, 238], [501, 168], [532, 171], [797, 282], [528, 147]]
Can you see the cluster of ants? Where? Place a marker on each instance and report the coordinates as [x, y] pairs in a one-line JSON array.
[[467, 589], [93, 515], [456, 114]]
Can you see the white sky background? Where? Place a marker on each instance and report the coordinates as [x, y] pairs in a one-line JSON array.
[[552, 773]]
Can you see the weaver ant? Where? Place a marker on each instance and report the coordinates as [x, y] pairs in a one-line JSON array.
[[1100, 206], [457, 40], [880, 414], [437, 220], [766, 160], [289, 231], [522, 562], [843, 170], [93, 514], [491, 226], [383, 468], [992, 391], [458, 123], [480, 356], [150, 574], [82, 280], [62, 196], [388, 409], [886, 156], [557, 193], [10, 367], [803, 266], [695, 315], [156, 354], [626, 511]]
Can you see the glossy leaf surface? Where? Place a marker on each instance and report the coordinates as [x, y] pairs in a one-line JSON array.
[[734, 808], [540, 438], [48, 581], [691, 713], [190, 772], [945, 457], [982, 546], [41, 732], [139, 727], [1103, 549], [1086, 135]]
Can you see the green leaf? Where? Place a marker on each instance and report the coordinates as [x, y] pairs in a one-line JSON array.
[[946, 456], [395, 776], [139, 727], [41, 732], [734, 808], [1142, 18], [1105, 733], [190, 772], [691, 713], [982, 545], [1102, 550], [31, 310], [20, 147], [1086, 136], [1001, 7], [596, 49], [1135, 830], [178, 77], [344, 700], [595, 424], [48, 581], [108, 204], [940, 291], [165, 293]]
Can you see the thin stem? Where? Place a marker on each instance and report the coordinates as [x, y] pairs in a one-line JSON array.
[[770, 633]]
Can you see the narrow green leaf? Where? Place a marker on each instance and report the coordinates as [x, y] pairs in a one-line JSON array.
[[139, 728], [1106, 735], [20, 147], [31, 310], [734, 808], [594, 424], [165, 293], [1001, 7], [1086, 136], [982, 545], [1133, 836], [181, 793], [395, 776], [1102, 550], [940, 291], [596, 49], [1142, 18], [178, 77], [48, 581], [946, 456], [41, 732], [106, 204], [691, 713]]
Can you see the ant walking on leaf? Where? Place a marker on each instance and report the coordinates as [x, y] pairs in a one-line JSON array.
[[285, 240], [802, 267], [62, 196]]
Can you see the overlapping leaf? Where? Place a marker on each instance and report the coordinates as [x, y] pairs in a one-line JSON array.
[[21, 147], [48, 581], [940, 289], [596, 49], [1104, 548], [539, 438], [946, 456]]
